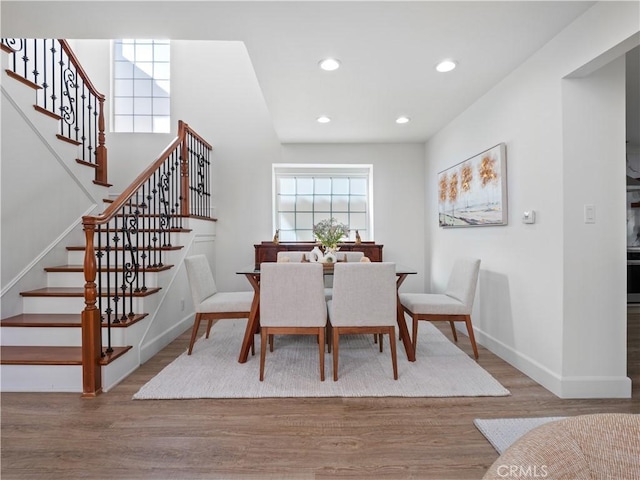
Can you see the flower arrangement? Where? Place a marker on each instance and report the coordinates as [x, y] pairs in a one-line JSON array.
[[330, 232]]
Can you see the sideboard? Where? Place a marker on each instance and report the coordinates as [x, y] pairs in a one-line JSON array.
[[268, 251]]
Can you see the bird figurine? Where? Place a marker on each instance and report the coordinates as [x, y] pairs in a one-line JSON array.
[[358, 239], [276, 237]]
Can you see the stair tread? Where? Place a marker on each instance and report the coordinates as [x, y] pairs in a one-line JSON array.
[[42, 320], [77, 292], [81, 248], [58, 320], [32, 355], [148, 230], [80, 268]]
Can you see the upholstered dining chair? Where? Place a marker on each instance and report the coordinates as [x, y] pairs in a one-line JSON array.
[[454, 305], [342, 257], [292, 256], [292, 303], [364, 301], [210, 304]]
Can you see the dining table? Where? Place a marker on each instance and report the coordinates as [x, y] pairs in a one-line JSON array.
[[253, 324]]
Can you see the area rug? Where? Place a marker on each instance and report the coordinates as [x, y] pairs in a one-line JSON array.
[[292, 369], [502, 432]]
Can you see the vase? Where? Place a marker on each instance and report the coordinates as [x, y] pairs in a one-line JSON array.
[[315, 255], [329, 257], [330, 254]]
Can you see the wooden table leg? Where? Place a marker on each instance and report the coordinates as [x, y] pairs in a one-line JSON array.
[[402, 324], [254, 315]]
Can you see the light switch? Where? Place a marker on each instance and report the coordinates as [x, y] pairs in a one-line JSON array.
[[589, 214], [529, 216]]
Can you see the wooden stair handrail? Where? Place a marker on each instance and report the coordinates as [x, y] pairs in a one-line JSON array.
[[101, 149], [76, 63], [124, 197], [180, 148]]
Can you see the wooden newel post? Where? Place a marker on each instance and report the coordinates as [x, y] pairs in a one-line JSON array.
[[91, 324], [184, 169], [101, 149]]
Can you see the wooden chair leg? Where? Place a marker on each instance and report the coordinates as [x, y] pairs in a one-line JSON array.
[[263, 351], [453, 330], [380, 341], [209, 325], [194, 332], [394, 358], [335, 342], [329, 333], [321, 341], [414, 333], [472, 337], [271, 343]]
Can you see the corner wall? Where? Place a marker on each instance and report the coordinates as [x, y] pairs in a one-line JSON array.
[[538, 283]]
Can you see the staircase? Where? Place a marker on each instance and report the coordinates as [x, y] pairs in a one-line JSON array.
[[88, 321], [42, 347]]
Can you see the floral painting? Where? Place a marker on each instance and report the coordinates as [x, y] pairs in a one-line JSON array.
[[474, 192]]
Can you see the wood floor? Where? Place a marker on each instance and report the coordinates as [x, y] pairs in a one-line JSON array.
[[63, 436]]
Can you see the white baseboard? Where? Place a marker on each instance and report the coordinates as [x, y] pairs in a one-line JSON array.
[[155, 345], [563, 387]]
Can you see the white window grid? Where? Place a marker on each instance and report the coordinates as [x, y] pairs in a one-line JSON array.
[[141, 86], [304, 195]]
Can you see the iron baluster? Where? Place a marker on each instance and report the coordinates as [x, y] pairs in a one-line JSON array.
[[145, 244], [45, 75], [107, 293], [35, 62], [114, 272], [90, 124], [155, 219], [68, 111], [83, 120], [130, 268], [138, 214], [175, 212]]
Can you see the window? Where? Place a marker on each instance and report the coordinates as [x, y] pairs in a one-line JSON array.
[[307, 194], [141, 86]]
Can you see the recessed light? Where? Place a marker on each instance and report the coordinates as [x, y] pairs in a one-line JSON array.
[[403, 119], [323, 119], [446, 65], [330, 64]]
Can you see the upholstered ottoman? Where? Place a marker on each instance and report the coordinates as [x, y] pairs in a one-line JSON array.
[[595, 446]]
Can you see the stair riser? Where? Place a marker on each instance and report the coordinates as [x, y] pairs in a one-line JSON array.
[[42, 336], [76, 279], [176, 238], [67, 337], [169, 257], [70, 305], [41, 378]]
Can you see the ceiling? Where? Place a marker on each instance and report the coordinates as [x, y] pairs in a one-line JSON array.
[[388, 52]]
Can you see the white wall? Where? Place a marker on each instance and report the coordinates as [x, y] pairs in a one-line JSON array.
[[214, 89], [540, 284], [44, 194], [594, 276], [398, 195]]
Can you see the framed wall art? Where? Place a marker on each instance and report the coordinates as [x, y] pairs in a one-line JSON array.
[[473, 193]]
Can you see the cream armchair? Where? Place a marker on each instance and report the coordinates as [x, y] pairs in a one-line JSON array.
[[210, 304], [454, 305]]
